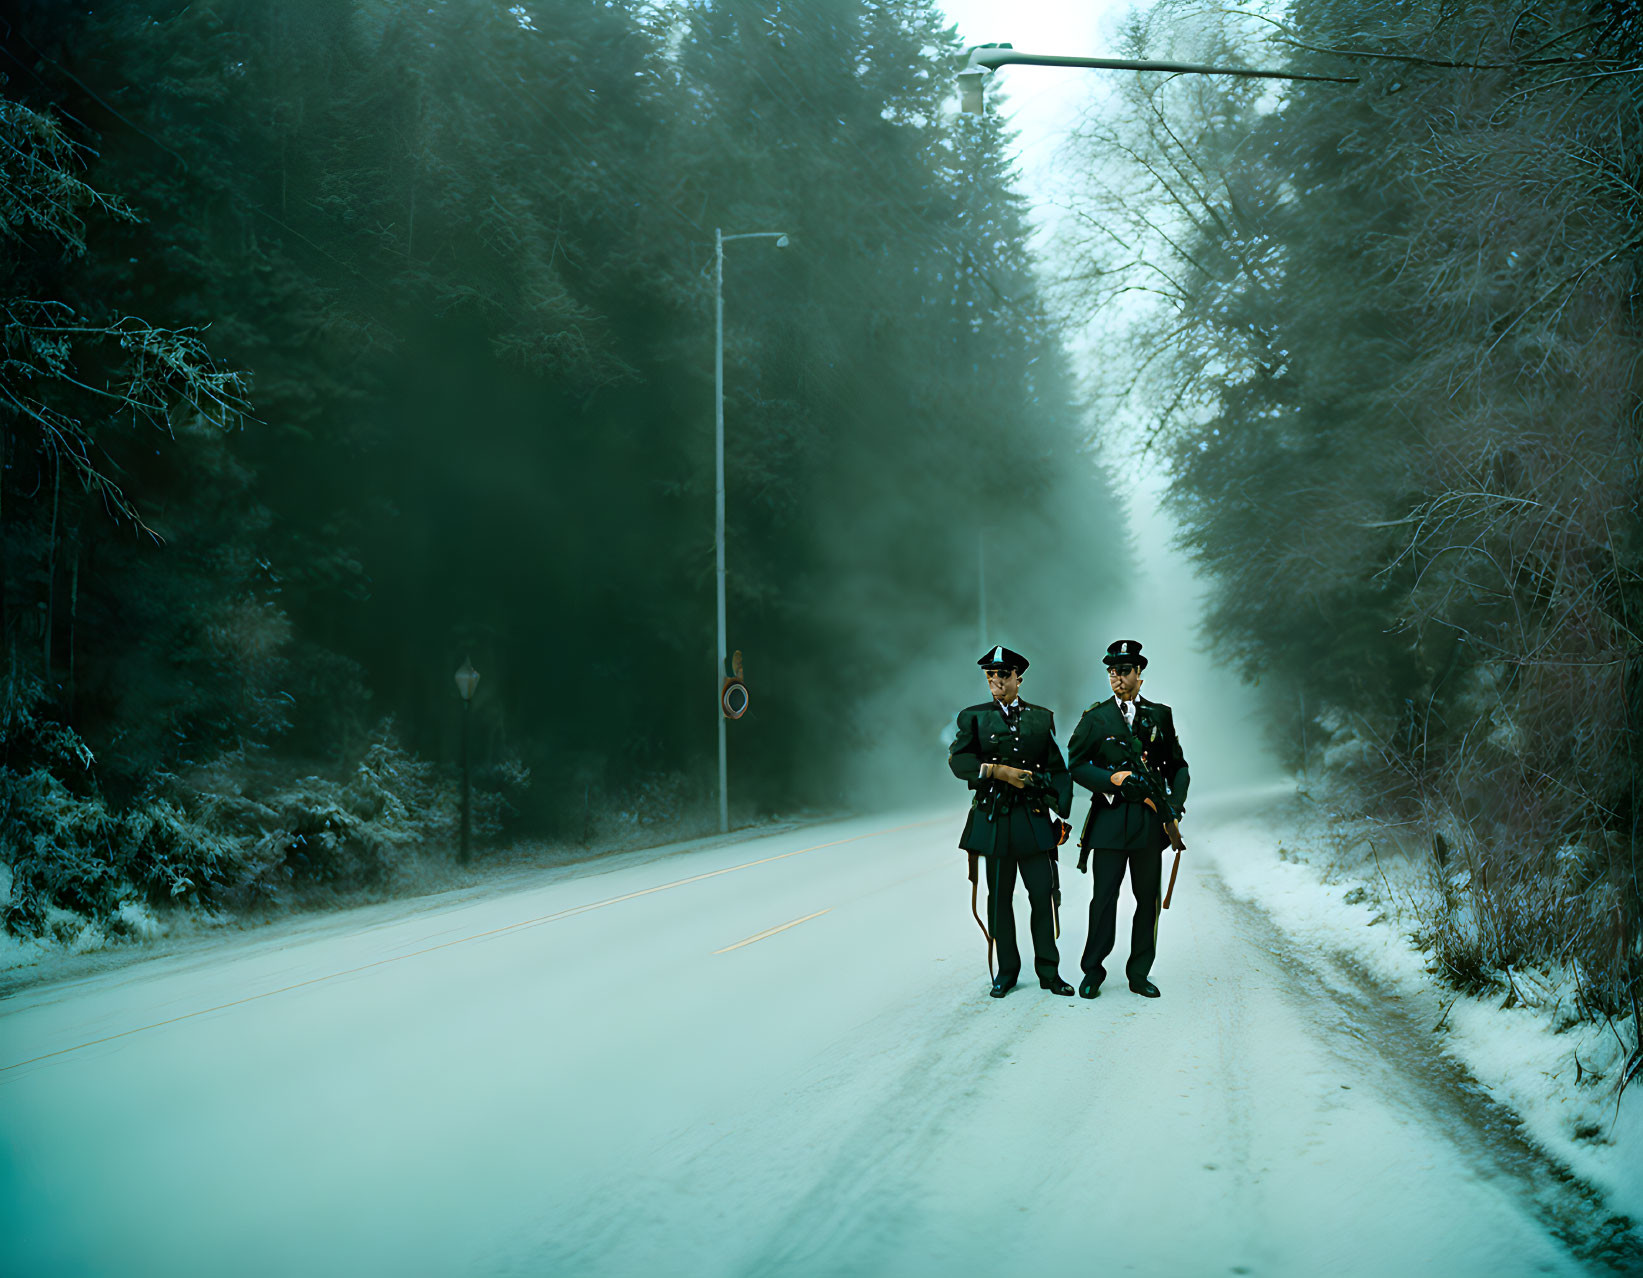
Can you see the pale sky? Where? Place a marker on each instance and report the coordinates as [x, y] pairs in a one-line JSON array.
[[1043, 102]]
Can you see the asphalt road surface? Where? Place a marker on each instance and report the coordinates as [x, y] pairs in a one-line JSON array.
[[771, 1055]]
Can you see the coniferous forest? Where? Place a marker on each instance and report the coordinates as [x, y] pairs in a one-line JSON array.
[[348, 341], [356, 350]]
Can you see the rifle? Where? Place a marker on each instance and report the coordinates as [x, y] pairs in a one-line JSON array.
[[1155, 796], [1157, 799]]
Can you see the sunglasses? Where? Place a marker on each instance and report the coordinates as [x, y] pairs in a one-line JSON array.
[[1121, 671]]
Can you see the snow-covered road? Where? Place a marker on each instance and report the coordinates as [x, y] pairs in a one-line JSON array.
[[771, 1056]]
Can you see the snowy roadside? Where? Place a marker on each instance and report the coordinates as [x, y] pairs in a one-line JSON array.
[[75, 946], [1321, 884]]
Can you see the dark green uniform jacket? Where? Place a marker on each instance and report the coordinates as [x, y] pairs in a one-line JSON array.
[[1097, 750], [1004, 820]]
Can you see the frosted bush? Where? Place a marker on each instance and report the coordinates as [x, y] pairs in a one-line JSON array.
[[138, 921], [62, 925], [1344, 747], [87, 939], [77, 871]]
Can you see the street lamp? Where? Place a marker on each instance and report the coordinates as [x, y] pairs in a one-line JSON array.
[[984, 59], [719, 241], [981, 583], [467, 679]]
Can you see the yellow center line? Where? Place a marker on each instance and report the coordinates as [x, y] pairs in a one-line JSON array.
[[771, 931], [463, 940]]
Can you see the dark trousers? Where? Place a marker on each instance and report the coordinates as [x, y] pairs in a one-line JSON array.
[[1038, 875], [1107, 873]]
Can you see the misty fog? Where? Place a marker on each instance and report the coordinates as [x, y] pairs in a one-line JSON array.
[[367, 904]]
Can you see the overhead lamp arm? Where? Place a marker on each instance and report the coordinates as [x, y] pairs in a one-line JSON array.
[[986, 58]]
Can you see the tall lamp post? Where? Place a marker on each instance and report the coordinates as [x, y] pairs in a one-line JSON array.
[[467, 679], [981, 583], [720, 239]]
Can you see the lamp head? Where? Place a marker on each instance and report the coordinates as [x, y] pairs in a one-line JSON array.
[[781, 241], [973, 76], [467, 679]]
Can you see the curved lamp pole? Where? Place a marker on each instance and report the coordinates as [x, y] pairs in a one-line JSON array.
[[719, 241], [467, 679], [986, 58]]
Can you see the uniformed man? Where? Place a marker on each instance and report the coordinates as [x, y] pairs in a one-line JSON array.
[[1005, 750], [1124, 827]]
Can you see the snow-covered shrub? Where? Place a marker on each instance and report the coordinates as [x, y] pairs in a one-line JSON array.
[[89, 938], [1493, 908], [236, 833], [71, 851], [645, 804], [138, 921], [498, 792], [1344, 748], [59, 845], [67, 849], [172, 854], [355, 833]]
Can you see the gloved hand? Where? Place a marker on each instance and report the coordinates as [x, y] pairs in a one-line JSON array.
[[1133, 787]]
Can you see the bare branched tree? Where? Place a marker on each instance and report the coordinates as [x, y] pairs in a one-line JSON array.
[[1392, 359]]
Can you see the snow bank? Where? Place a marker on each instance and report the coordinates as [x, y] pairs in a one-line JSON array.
[[1523, 1042]]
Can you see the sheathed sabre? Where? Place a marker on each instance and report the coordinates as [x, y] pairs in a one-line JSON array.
[[974, 858]]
